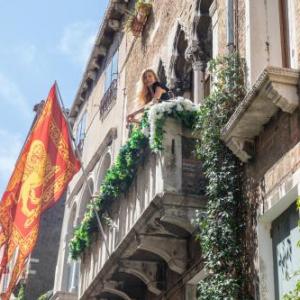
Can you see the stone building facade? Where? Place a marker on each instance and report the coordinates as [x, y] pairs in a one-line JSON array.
[[39, 278], [152, 252]]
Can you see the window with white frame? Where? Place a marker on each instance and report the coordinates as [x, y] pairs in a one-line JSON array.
[[286, 254], [288, 33], [111, 71], [72, 266], [80, 132]]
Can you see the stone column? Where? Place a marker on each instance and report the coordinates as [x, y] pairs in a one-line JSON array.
[[199, 80], [196, 55]]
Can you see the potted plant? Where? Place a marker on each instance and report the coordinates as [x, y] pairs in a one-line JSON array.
[[137, 20]]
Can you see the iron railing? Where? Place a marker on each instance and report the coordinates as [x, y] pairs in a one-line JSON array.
[[108, 99]]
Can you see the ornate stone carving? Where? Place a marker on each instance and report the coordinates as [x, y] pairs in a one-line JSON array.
[[171, 250], [275, 89], [114, 24], [195, 53], [112, 287], [144, 270]]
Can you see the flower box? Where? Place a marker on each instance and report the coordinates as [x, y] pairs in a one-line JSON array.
[[136, 22]]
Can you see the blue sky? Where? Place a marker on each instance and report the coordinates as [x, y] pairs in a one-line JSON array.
[[40, 42]]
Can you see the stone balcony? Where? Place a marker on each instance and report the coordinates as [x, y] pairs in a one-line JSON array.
[[152, 245], [276, 89]]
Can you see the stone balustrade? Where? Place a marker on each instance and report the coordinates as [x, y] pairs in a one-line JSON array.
[[152, 227]]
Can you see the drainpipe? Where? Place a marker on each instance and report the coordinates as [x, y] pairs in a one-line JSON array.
[[230, 25]]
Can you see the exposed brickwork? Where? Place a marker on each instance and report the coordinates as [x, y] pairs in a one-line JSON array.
[[155, 38], [46, 251], [264, 172], [277, 138], [193, 181]]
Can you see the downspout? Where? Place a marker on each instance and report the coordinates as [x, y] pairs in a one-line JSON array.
[[230, 26]]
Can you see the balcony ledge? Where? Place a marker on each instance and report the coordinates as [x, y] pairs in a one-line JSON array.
[[276, 88], [148, 234]]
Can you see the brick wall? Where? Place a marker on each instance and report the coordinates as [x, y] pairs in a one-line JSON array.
[[279, 136], [46, 252], [155, 41]]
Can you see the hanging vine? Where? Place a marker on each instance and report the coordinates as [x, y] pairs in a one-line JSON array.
[[118, 179], [21, 293], [222, 228], [223, 225]]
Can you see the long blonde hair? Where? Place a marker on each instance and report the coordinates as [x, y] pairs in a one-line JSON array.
[[143, 93]]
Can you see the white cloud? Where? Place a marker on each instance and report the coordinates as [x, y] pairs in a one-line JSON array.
[[11, 95], [10, 147], [77, 41]]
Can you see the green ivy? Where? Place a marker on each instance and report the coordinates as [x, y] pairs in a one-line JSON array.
[[221, 229], [223, 225], [120, 176], [21, 293], [118, 179], [46, 296], [187, 118]]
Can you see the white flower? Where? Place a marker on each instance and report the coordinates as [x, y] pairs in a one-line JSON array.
[[157, 112]]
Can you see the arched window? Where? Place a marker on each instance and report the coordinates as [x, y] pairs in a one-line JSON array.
[[72, 266], [181, 72], [86, 198], [162, 73], [106, 162]]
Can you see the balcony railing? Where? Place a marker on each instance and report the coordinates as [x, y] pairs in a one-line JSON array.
[[155, 217], [108, 99]]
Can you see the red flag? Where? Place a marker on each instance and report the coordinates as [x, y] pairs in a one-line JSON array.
[[46, 165]]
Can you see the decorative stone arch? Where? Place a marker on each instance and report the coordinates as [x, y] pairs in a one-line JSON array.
[[85, 198], [112, 288], [172, 250], [180, 70], [72, 219], [104, 165], [161, 72], [199, 50], [146, 271]]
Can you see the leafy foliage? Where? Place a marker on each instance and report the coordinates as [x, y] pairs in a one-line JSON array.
[[117, 181], [120, 176], [143, 5], [21, 293], [221, 229], [46, 296]]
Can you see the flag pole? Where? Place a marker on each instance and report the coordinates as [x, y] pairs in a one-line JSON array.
[[84, 173]]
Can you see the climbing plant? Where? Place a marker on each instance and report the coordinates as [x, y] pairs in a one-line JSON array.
[[120, 176], [46, 296], [223, 224], [21, 293], [117, 181]]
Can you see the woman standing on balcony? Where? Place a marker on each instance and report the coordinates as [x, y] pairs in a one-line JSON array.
[[150, 91]]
